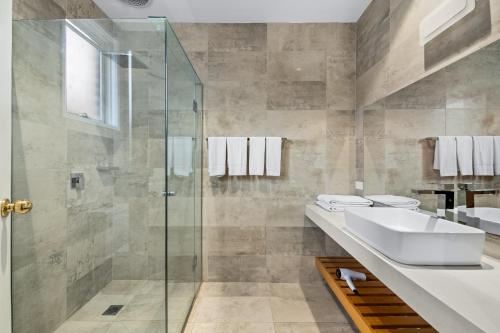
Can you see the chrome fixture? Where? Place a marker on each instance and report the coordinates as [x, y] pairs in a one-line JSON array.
[[446, 200], [77, 181], [137, 3], [468, 192]]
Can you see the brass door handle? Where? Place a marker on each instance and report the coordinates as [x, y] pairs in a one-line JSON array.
[[18, 207]]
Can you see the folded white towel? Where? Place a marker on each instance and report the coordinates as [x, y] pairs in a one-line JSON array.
[[237, 151], [325, 205], [483, 155], [273, 156], [394, 200], [216, 156], [257, 156], [183, 155], [496, 144], [333, 208], [348, 200], [464, 153], [445, 156]]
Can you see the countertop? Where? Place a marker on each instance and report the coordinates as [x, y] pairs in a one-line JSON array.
[[451, 298]]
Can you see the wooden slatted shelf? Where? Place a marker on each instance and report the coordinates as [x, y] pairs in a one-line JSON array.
[[375, 309]]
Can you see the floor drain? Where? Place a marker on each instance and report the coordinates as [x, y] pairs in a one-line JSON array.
[[112, 310]]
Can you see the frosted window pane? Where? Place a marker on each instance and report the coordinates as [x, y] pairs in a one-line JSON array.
[[82, 76]]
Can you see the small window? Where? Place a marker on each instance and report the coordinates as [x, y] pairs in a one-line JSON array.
[[91, 79]]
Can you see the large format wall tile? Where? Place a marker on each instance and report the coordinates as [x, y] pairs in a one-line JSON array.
[[289, 80], [296, 95]]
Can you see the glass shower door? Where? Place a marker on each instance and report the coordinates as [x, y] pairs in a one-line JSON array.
[[183, 161]]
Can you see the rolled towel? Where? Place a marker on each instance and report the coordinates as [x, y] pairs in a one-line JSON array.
[[347, 200]]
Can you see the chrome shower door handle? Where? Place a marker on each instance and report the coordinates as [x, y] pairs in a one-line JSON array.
[[169, 194]]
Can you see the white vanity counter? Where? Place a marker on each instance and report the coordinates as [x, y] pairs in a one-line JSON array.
[[451, 298]]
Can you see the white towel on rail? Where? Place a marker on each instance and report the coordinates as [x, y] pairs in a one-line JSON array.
[[464, 153], [216, 156], [237, 151], [183, 155], [483, 155], [257, 156], [445, 156], [170, 155], [273, 156], [496, 144]]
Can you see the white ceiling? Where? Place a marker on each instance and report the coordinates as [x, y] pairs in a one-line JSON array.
[[241, 11]]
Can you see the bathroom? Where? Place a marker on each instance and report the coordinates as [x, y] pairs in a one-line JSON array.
[[114, 114]]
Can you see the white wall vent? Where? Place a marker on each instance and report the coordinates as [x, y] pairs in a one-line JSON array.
[[443, 17]]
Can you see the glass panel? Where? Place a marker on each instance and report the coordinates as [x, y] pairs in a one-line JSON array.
[[96, 234], [184, 165]]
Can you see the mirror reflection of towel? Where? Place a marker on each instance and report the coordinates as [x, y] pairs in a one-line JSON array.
[[182, 155], [483, 155]]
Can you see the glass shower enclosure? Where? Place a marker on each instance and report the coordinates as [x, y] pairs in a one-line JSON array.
[[107, 144]]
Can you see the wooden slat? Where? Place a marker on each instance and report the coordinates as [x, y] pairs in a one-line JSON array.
[[368, 291], [406, 330], [397, 322], [376, 300], [375, 308], [363, 284], [385, 310]]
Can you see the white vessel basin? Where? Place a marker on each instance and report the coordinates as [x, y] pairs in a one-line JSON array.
[[485, 218], [414, 238]]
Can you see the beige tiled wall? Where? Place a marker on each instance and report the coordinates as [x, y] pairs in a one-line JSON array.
[[56, 9], [389, 54], [289, 80]]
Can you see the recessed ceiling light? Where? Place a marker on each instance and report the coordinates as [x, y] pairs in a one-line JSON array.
[[138, 3]]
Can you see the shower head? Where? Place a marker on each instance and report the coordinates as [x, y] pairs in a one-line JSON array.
[[137, 3]]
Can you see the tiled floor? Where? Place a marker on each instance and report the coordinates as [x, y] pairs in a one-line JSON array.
[[143, 311], [236, 307], [266, 308]]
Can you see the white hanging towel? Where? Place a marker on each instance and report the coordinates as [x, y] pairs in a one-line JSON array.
[[464, 153], [183, 155], [496, 144], [170, 155], [445, 156], [237, 150], [257, 156], [483, 155], [216, 156], [273, 156]]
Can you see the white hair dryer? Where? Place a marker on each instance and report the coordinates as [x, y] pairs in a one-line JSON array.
[[348, 276]]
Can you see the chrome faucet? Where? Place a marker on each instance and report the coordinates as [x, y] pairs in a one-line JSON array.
[[469, 191], [446, 200]]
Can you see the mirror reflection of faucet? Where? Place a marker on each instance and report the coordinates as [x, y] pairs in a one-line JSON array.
[[485, 218]]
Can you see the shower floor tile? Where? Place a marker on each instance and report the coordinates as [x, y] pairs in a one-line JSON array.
[[143, 309]]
